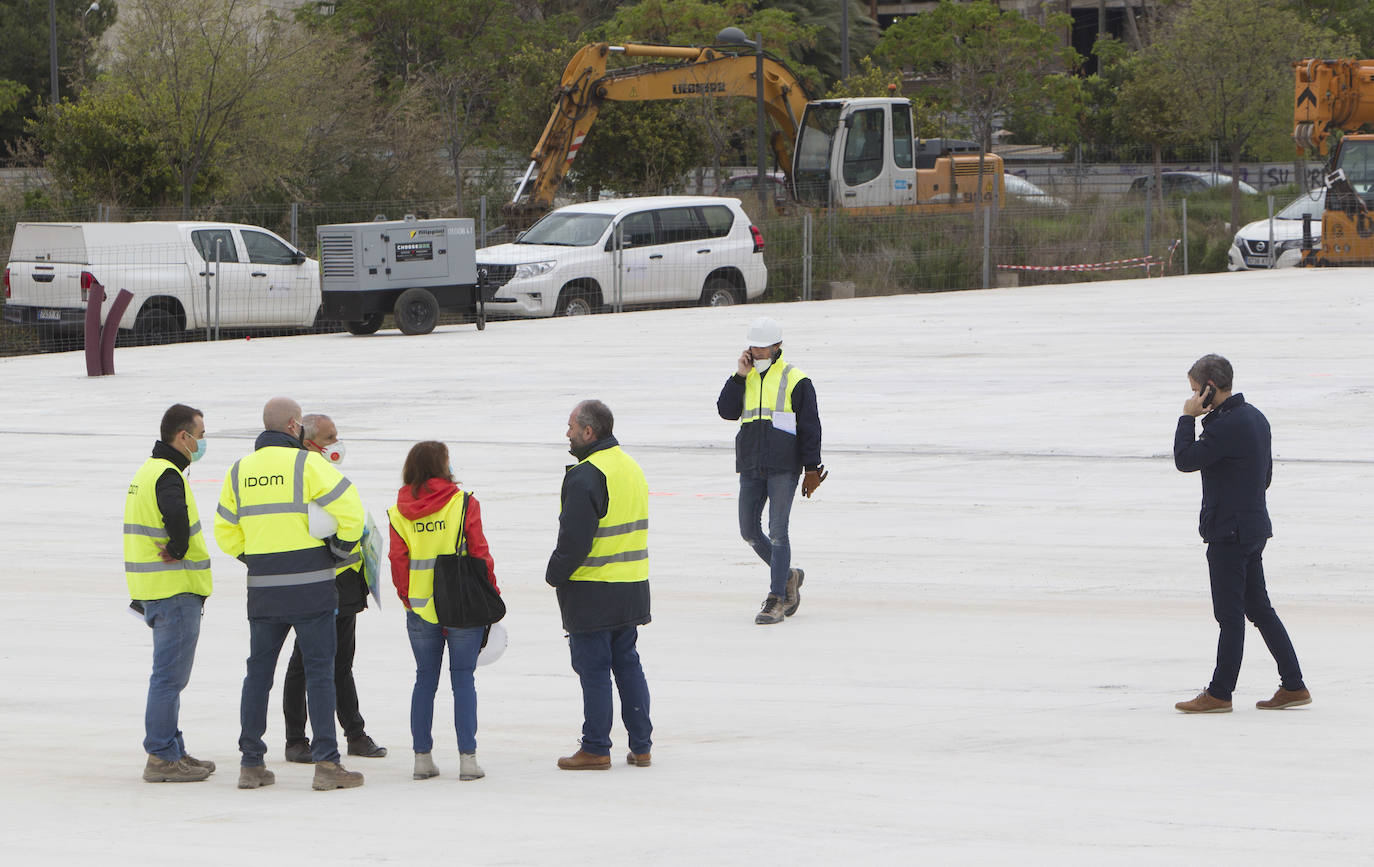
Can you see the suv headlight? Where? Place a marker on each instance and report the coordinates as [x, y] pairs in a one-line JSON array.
[[1290, 244], [533, 269]]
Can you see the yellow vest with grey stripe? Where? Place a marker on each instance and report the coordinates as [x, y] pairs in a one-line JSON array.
[[262, 519], [620, 548], [144, 529], [426, 538], [769, 397]]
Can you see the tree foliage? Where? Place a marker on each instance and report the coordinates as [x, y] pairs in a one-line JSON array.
[[24, 58]]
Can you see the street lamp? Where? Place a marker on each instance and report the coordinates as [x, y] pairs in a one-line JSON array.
[[94, 7], [735, 36]]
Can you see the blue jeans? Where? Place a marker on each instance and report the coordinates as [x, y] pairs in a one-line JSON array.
[[777, 489], [595, 656], [175, 622], [315, 632], [427, 641], [1238, 592]]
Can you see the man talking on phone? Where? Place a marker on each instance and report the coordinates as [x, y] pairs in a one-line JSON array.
[[778, 444], [1234, 456]]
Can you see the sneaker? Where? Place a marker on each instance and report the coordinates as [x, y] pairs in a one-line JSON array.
[[332, 775], [1286, 698], [771, 612], [181, 771], [468, 769], [366, 747], [585, 761], [1204, 703], [424, 766], [639, 760], [792, 601], [197, 763], [255, 777], [299, 752]]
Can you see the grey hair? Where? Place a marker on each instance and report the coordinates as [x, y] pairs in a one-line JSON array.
[[597, 416], [311, 422], [1213, 369]]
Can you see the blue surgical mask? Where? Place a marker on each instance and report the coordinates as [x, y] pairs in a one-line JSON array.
[[200, 450]]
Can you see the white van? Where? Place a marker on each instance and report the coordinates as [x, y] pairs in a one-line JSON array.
[[639, 251], [260, 280]]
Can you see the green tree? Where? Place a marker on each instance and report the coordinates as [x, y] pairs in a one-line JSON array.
[[982, 63], [24, 59], [1353, 18], [1224, 67], [823, 18]]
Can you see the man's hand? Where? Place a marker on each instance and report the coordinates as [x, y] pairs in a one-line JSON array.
[[812, 480], [162, 553], [745, 364], [1193, 406]]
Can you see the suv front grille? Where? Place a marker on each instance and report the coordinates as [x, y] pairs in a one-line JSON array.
[[493, 277]]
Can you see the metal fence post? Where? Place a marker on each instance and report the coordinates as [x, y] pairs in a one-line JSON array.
[[219, 244], [987, 247], [1147, 234], [482, 221], [619, 267], [1271, 232], [1185, 236], [295, 223], [806, 256]]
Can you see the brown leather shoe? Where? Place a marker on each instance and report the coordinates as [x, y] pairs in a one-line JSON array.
[[1286, 698], [585, 761], [639, 760], [1204, 703]]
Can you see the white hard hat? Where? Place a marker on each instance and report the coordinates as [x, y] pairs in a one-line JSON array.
[[764, 331], [496, 645]]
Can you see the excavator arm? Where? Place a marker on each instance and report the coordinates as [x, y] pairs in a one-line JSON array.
[[700, 73], [1331, 96]]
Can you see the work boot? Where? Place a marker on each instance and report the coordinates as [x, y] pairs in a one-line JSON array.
[[299, 752], [197, 763], [1204, 703], [424, 766], [181, 771], [255, 777], [792, 601], [639, 760], [585, 761], [332, 775], [772, 611], [366, 747], [468, 769], [1286, 698]]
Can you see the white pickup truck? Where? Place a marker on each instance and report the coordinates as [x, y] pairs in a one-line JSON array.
[[260, 281]]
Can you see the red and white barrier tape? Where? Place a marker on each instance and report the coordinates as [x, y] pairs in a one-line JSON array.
[[1146, 262]]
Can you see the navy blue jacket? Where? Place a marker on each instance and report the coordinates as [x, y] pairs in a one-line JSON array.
[[760, 449], [1237, 466], [590, 606]]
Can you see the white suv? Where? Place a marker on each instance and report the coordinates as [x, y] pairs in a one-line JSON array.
[[641, 252], [1250, 249]]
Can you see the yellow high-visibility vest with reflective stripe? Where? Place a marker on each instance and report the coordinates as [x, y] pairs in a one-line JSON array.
[[620, 549], [144, 528], [426, 538], [771, 394]]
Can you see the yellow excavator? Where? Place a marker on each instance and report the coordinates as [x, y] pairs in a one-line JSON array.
[[836, 153], [1337, 96]]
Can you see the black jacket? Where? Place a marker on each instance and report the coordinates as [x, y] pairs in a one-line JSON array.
[[760, 449], [1237, 466], [590, 606], [171, 500]]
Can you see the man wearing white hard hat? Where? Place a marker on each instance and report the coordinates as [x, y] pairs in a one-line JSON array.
[[778, 444], [322, 436]]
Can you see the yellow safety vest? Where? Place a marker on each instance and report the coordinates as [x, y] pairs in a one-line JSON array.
[[144, 528], [426, 538], [769, 397], [620, 549]]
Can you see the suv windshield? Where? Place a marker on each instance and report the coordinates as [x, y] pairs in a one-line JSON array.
[[1312, 203], [567, 230]]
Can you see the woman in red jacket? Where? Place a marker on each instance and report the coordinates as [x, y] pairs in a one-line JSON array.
[[424, 524]]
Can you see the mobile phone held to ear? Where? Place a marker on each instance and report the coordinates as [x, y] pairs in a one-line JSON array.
[[1209, 394]]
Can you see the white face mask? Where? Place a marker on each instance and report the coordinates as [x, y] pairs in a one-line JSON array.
[[335, 453], [762, 365]]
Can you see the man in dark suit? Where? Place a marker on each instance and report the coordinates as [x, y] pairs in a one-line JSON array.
[[1234, 457]]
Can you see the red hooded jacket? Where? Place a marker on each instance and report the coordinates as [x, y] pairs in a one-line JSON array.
[[435, 495]]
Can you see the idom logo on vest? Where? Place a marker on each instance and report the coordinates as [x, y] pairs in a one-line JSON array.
[[263, 481], [428, 526]]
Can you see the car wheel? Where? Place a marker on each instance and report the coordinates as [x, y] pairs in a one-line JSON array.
[[719, 293], [576, 301], [417, 311], [367, 325], [156, 325]]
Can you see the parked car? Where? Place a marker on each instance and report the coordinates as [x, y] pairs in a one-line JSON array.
[[260, 279], [672, 250], [1250, 249], [1187, 183], [1021, 191], [743, 185]]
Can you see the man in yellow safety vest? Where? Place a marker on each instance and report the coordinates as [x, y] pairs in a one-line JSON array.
[[600, 568]]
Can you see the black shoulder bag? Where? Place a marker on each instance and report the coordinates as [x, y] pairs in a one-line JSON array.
[[463, 597]]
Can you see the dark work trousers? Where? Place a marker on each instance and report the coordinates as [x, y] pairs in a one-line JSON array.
[[346, 691], [1237, 572]]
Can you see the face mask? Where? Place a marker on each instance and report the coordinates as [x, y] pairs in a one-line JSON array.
[[200, 450], [450, 471], [334, 454], [762, 365]]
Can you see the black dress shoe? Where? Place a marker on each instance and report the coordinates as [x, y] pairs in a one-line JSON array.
[[299, 751], [366, 747]]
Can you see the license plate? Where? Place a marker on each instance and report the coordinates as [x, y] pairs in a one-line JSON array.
[[48, 314], [1257, 261]]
